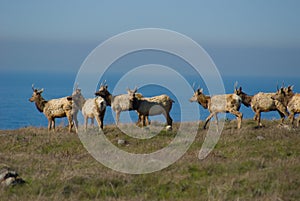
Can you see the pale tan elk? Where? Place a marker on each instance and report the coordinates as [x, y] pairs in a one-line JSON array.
[[93, 108], [291, 100], [226, 103], [118, 103], [55, 108], [264, 102], [78, 102]]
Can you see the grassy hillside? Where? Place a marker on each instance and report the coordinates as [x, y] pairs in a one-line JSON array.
[[250, 164]]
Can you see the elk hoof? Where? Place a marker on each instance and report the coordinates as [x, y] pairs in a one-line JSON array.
[[168, 128]]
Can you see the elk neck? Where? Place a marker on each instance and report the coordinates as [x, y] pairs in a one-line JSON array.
[[40, 104], [108, 98], [246, 99], [79, 102], [203, 100]]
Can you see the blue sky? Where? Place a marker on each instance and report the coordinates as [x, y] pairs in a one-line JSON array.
[[243, 37]]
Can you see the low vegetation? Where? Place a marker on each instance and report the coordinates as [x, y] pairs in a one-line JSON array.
[[246, 164]]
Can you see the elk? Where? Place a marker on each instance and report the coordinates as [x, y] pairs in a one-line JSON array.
[[93, 108], [151, 106], [226, 103], [78, 102], [291, 101], [55, 108], [118, 103], [264, 102]]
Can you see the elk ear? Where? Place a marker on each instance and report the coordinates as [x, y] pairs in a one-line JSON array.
[[291, 87], [201, 90], [32, 86], [135, 89], [41, 90]]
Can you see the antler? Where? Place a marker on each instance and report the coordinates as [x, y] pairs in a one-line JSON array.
[[76, 86], [103, 83], [194, 87], [235, 85]]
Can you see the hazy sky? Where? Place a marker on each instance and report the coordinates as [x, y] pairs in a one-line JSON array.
[[243, 37]]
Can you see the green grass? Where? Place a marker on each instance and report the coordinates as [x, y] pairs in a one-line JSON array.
[[246, 164]]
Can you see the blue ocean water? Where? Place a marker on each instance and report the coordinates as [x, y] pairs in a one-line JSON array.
[[16, 111]]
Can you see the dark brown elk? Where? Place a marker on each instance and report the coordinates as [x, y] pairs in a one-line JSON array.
[[55, 108], [226, 103], [151, 106]]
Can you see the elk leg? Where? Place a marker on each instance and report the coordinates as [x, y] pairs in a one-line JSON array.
[[49, 124], [117, 117], [216, 117], [281, 117], [146, 119], [102, 118], [75, 119], [259, 124], [292, 118], [168, 118], [99, 122], [255, 116], [143, 120], [70, 119], [208, 119], [92, 122], [85, 122], [139, 119], [239, 117], [53, 124]]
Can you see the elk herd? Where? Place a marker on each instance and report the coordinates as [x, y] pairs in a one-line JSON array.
[[284, 101]]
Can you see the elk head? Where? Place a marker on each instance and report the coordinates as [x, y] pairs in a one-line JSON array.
[[200, 98], [246, 99], [36, 95], [133, 99]]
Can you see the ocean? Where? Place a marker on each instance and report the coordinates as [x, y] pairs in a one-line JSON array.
[[16, 111]]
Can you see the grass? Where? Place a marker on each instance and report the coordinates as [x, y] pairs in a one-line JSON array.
[[246, 164]]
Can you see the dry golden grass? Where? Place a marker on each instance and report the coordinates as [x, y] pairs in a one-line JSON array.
[[246, 164]]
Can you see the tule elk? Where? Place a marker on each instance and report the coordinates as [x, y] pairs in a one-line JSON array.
[[55, 108], [264, 102], [93, 108], [151, 106], [226, 103], [291, 100], [118, 103]]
